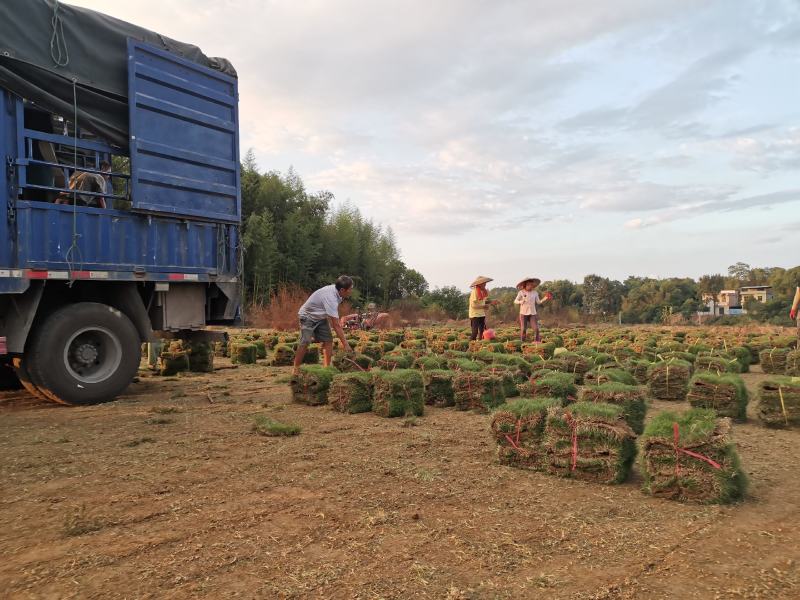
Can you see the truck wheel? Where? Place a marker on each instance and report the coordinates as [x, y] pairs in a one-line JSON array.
[[21, 369], [84, 353]]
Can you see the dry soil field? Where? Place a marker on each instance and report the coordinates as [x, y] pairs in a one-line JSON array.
[[167, 493]]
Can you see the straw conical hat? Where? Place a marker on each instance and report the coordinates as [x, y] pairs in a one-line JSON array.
[[522, 283], [479, 280]]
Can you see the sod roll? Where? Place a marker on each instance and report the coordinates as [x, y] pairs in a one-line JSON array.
[[631, 398], [478, 391], [398, 393], [351, 392], [724, 393], [201, 357], [779, 402], [690, 457], [171, 363], [354, 362], [518, 428], [282, 356], [669, 380], [773, 361], [793, 363], [438, 387], [243, 353], [589, 441], [310, 385]]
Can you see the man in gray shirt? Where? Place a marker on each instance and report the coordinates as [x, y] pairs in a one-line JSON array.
[[319, 313]]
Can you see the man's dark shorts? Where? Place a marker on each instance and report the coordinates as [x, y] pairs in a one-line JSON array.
[[314, 331]]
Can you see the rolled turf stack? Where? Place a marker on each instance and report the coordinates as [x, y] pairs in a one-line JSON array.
[[631, 398], [310, 385], [282, 356], [355, 363], [261, 348], [669, 380], [551, 385], [395, 360], [518, 429], [773, 361], [589, 441], [717, 364], [243, 353], [478, 391], [724, 393], [173, 362], [793, 363], [201, 357], [311, 357], [779, 402], [604, 375], [438, 387], [351, 392], [398, 393], [638, 368], [691, 457], [571, 362]]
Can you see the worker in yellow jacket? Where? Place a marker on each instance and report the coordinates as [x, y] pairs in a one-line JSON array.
[[478, 302]]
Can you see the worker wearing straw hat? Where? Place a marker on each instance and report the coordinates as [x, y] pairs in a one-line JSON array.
[[528, 299], [478, 302]]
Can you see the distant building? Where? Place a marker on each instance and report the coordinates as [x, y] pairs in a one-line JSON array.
[[731, 302], [759, 293]]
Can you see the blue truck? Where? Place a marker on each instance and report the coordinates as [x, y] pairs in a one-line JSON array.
[[87, 276]]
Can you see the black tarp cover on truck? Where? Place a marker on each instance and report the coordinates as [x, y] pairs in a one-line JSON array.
[[87, 47]]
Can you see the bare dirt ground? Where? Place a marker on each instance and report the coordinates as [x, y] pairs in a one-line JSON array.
[[167, 493]]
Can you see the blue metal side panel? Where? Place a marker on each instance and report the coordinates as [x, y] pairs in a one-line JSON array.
[[184, 143], [113, 240]]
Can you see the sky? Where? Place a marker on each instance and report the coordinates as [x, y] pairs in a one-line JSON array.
[[515, 138]]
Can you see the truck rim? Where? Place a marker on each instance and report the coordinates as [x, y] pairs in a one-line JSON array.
[[92, 354]]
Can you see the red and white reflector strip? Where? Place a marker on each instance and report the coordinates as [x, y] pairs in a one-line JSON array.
[[3, 346], [184, 277]]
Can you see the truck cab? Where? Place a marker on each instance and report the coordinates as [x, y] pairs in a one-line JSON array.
[[150, 249]]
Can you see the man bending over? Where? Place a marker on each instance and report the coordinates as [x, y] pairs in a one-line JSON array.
[[318, 315]]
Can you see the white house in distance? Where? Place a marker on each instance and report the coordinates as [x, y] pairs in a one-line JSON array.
[[731, 302]]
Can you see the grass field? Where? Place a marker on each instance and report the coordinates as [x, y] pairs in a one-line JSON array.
[[171, 492]]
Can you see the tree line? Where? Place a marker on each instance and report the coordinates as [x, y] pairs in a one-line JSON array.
[[292, 236], [640, 299]]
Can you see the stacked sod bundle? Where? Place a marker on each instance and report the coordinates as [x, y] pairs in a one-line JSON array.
[[725, 393], [351, 392], [717, 364], [396, 360], [243, 353], [427, 363], [690, 457], [438, 387], [638, 368], [589, 441], [518, 428], [351, 362], [793, 363], [172, 362], [554, 384], [201, 357], [282, 356], [398, 393], [311, 357], [631, 398], [571, 362], [774, 360], [604, 375], [779, 402], [669, 380], [478, 391], [310, 385], [261, 348]]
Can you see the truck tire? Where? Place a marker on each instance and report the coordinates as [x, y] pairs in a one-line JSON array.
[[84, 353], [24, 377]]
